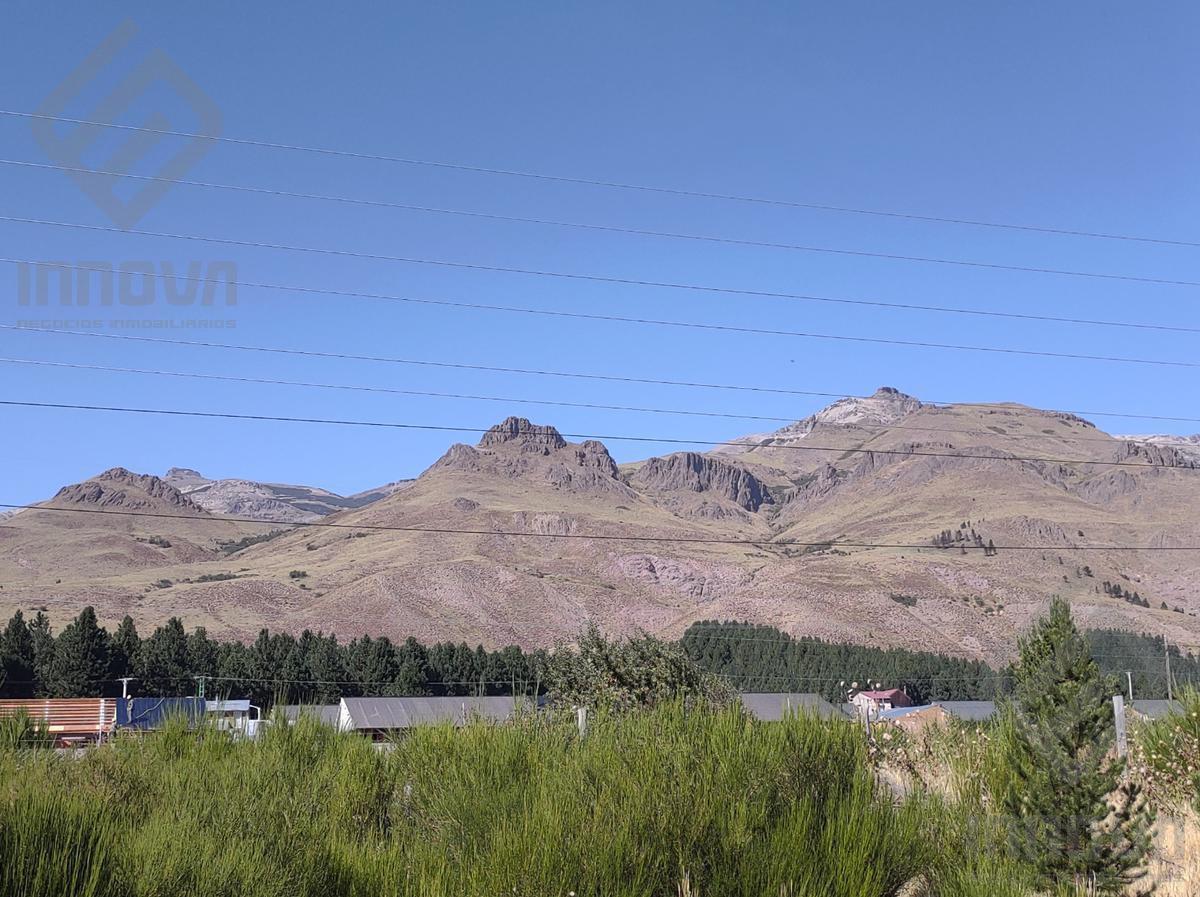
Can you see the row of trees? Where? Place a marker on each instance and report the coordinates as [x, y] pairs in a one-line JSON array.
[[762, 658], [85, 660]]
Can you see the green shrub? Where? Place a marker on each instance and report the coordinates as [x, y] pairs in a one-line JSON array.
[[1165, 753], [52, 843], [735, 807]]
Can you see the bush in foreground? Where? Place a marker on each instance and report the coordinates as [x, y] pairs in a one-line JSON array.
[[647, 801]]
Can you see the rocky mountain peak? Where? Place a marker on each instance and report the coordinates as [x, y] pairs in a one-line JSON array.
[[521, 433], [885, 406], [693, 472], [124, 489]]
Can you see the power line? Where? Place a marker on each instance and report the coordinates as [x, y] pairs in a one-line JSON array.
[[642, 232], [1105, 440], [390, 390], [225, 415], [763, 294], [762, 331], [594, 182], [592, 278], [608, 378], [603, 537]]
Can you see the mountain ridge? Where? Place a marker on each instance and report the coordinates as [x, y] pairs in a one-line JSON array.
[[849, 536]]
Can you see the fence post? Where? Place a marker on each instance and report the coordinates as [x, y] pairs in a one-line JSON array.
[[581, 714], [1119, 721]]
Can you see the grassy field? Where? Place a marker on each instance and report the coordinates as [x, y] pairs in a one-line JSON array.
[[662, 803]]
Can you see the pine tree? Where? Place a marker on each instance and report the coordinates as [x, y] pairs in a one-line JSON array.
[[164, 661], [43, 653], [81, 657], [16, 658], [1073, 817], [126, 649]]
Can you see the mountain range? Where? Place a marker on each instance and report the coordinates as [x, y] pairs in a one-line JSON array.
[[879, 520]]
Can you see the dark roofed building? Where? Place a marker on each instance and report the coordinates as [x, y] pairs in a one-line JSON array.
[[326, 714], [379, 716], [773, 706]]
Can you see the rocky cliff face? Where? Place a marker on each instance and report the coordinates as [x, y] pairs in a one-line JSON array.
[[518, 449], [1185, 446], [518, 432], [693, 472], [120, 489]]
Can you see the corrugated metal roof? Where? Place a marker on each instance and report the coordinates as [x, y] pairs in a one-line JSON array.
[[772, 706], [327, 713], [884, 694], [976, 711], [67, 716], [1157, 709], [404, 713], [969, 710]]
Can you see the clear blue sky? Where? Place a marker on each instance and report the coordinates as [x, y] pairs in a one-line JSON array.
[[1047, 114]]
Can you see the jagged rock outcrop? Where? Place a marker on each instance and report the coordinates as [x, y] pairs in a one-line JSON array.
[[1155, 455], [518, 449], [1188, 445], [693, 472], [529, 437], [122, 489], [1107, 487]]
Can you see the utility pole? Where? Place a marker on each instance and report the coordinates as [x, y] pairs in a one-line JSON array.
[[1167, 654], [1119, 723]]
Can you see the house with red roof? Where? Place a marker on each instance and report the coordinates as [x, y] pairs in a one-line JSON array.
[[872, 703]]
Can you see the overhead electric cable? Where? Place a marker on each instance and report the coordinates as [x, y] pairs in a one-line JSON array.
[[799, 334], [643, 232], [606, 537], [980, 430], [567, 275], [598, 182], [609, 378], [760, 294], [659, 440]]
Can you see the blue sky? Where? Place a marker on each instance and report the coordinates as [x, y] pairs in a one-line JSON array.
[[1033, 115]]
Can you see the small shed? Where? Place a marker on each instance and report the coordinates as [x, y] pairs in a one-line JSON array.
[[239, 717]]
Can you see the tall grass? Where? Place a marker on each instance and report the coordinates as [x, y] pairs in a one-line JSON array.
[[648, 804]]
